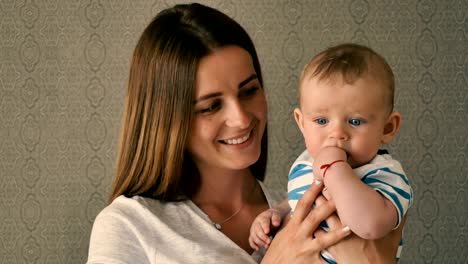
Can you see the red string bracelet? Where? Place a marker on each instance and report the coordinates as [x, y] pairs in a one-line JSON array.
[[326, 166]]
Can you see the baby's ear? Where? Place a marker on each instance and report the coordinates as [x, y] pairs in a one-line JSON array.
[[299, 119], [391, 127]]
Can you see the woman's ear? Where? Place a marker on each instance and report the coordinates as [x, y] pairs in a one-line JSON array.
[[299, 119], [391, 127]]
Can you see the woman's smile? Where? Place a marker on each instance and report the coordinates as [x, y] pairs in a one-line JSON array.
[[237, 140]]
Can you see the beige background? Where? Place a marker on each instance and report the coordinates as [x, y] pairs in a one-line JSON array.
[[63, 70]]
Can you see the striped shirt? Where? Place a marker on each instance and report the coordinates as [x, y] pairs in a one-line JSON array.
[[382, 173]]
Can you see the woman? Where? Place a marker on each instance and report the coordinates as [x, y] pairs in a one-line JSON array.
[[193, 153]]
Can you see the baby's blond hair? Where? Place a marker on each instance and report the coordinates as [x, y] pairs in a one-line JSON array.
[[350, 62]]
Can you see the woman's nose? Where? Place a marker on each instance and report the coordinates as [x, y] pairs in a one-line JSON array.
[[238, 116]]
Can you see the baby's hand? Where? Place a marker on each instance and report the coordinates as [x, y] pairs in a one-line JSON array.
[[263, 226], [325, 156]]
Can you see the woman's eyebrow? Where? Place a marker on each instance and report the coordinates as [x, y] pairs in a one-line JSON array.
[[246, 81], [207, 96]]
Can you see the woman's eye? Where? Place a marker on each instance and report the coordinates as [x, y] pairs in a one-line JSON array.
[[355, 121], [211, 108], [321, 121], [248, 92]]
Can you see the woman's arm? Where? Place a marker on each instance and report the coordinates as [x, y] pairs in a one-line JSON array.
[[295, 242]]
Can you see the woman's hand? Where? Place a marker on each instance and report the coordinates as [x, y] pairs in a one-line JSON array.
[[354, 249], [295, 242]]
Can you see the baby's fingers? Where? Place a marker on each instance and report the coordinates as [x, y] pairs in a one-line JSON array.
[[262, 238], [264, 223], [253, 244], [257, 242], [257, 237], [276, 220]]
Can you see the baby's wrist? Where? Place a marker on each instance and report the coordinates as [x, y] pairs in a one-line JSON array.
[[324, 167], [335, 169]]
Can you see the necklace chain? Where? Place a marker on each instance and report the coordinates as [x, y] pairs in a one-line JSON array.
[[218, 226]]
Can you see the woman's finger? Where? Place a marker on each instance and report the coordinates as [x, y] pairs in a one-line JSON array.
[[295, 242], [334, 222], [326, 239], [326, 193], [313, 219], [320, 200], [305, 203], [319, 232]]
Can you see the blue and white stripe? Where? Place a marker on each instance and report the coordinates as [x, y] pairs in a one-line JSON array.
[[382, 173]]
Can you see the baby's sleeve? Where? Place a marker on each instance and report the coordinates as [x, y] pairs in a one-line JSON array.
[[300, 178], [387, 176]]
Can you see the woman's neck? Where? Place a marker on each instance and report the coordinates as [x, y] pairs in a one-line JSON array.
[[224, 188], [231, 201]]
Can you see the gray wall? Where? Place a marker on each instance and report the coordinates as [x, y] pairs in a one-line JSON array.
[[63, 71]]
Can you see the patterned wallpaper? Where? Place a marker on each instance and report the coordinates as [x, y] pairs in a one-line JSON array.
[[63, 72]]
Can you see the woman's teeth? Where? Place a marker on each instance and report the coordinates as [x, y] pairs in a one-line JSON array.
[[237, 140]]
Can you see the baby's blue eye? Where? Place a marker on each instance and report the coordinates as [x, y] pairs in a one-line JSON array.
[[321, 121], [355, 122]]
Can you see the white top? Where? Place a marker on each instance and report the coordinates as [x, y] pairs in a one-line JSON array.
[[144, 230]]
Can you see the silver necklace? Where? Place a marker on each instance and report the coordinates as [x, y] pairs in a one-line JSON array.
[[219, 224]]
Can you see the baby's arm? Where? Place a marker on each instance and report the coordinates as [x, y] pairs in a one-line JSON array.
[[266, 223], [368, 213]]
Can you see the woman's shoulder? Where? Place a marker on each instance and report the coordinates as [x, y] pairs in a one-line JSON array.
[[137, 206], [133, 218], [123, 206], [123, 225], [136, 201]]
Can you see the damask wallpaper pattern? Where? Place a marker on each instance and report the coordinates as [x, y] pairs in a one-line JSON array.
[[63, 72]]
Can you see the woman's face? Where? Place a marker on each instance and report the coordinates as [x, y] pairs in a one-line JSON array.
[[230, 112]]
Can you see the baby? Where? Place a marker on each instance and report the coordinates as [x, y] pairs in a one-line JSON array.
[[345, 115]]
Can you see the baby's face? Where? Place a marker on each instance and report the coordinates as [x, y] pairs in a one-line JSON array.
[[348, 116]]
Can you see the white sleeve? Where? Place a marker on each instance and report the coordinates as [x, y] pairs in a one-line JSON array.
[[387, 176], [300, 178], [113, 240]]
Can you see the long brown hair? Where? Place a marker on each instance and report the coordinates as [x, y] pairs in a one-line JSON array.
[[152, 159]]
